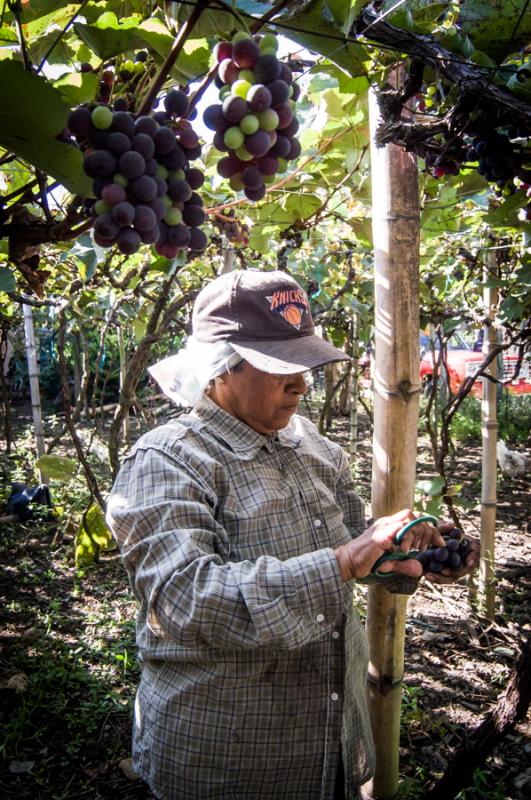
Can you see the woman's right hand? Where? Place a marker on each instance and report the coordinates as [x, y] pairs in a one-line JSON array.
[[357, 558]]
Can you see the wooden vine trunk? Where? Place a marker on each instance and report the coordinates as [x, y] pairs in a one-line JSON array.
[[395, 225]]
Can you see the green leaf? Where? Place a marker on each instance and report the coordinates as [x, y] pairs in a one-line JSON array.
[[431, 487], [314, 29], [7, 280], [194, 58], [92, 537], [86, 256], [77, 87], [108, 37], [58, 468], [495, 27], [32, 114], [36, 10]]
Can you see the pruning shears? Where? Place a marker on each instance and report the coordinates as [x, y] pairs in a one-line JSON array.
[[400, 555]]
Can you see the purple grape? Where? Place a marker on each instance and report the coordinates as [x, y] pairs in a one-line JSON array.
[[99, 164], [259, 98], [112, 194], [454, 561], [161, 117], [195, 177], [79, 122], [285, 73], [295, 150], [151, 236], [194, 152], [165, 141], [296, 90], [252, 177], [285, 115], [99, 184], [178, 235], [98, 139], [213, 117], [188, 139], [279, 90], [440, 554], [464, 547], [198, 240], [158, 207], [244, 53], [219, 143], [144, 219], [146, 125], [257, 144], [281, 148], [228, 165], [128, 241], [435, 566], [121, 104], [455, 533], [106, 227], [452, 545], [291, 129], [228, 71], [175, 160], [131, 165], [144, 188], [151, 167], [193, 216], [176, 103], [195, 200], [234, 109], [123, 122], [123, 214], [268, 165], [144, 145], [255, 194], [179, 190], [162, 186], [266, 69], [118, 143]]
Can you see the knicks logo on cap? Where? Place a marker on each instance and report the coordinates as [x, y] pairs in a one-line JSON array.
[[290, 304]]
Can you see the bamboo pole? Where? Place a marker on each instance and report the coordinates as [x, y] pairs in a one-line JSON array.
[[395, 224], [123, 375], [489, 432], [354, 386], [33, 374]]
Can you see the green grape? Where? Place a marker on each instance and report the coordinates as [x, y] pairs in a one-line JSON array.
[[102, 117], [249, 124], [241, 88], [161, 172], [101, 207], [240, 36], [246, 75], [243, 154], [233, 138], [268, 42], [173, 216], [121, 180], [268, 119], [282, 165]]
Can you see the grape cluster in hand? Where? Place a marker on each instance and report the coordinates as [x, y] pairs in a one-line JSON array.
[[452, 556], [142, 178], [254, 122]]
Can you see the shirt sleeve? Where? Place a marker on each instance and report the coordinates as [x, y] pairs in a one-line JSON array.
[[162, 513], [349, 500]]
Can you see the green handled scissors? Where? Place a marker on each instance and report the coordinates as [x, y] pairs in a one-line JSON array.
[[400, 555]]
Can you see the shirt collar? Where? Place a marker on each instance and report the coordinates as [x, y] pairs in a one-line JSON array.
[[242, 439]]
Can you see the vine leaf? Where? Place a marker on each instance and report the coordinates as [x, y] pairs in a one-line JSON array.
[[32, 114]]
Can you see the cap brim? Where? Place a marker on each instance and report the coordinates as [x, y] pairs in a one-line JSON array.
[[289, 355]]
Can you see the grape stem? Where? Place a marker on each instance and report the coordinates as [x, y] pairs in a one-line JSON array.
[[172, 56]]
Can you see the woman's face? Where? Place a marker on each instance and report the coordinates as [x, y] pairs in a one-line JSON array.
[[263, 401]]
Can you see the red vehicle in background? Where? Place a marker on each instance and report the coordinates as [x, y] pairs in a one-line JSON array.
[[462, 361]]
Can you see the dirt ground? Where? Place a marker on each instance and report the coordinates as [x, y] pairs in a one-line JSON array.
[[68, 671]]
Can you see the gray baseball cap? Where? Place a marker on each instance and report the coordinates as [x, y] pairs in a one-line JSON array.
[[266, 318]]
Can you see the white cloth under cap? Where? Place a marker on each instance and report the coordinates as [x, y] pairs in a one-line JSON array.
[[184, 377]]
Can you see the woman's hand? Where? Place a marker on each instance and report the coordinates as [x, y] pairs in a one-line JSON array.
[[451, 575], [357, 558]]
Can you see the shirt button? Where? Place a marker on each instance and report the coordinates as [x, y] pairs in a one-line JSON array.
[[320, 618], [335, 635], [317, 523], [334, 696]]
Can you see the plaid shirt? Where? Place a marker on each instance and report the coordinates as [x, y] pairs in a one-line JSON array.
[[253, 659]]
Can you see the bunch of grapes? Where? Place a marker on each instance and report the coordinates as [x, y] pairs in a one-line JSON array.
[[254, 122], [451, 556], [142, 178], [236, 231], [499, 159]]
